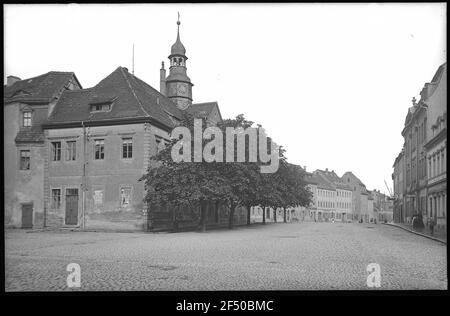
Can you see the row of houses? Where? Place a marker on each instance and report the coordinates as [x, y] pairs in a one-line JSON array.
[[345, 199], [420, 169]]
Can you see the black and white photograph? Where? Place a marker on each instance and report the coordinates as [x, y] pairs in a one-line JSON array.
[[174, 147]]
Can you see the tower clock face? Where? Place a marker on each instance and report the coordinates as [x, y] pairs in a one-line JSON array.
[[182, 89]]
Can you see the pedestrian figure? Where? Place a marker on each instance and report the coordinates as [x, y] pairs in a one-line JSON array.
[[432, 226], [413, 222]]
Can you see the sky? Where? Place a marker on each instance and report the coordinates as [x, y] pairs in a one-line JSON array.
[[331, 83]]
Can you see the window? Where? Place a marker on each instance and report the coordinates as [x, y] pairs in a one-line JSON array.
[[56, 151], [71, 150], [127, 148], [98, 198], [27, 119], [434, 166], [125, 196], [438, 164], [425, 130], [429, 168], [99, 149], [24, 160], [56, 199], [101, 107]]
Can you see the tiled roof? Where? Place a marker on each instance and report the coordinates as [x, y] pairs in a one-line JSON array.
[[323, 183], [437, 76], [42, 88], [34, 135], [354, 177], [130, 96], [204, 109], [333, 178], [310, 178]]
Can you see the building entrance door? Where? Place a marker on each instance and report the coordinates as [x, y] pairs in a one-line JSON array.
[[71, 206], [27, 215]]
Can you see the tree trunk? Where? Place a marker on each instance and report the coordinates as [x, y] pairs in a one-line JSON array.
[[248, 214], [174, 218], [264, 215], [231, 216], [203, 206], [275, 216], [284, 215], [216, 212]]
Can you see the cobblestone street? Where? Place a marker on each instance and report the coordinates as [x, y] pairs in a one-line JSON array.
[[292, 256]]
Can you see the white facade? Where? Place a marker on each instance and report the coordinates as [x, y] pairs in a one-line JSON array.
[[344, 204]]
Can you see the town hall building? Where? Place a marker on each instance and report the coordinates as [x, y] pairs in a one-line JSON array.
[[74, 155]]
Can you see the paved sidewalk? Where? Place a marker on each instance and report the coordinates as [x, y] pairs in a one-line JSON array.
[[425, 232]]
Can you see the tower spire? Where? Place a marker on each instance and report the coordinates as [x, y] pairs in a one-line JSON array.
[[178, 26], [178, 85], [178, 47]]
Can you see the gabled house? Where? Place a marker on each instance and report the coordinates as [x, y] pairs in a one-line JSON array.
[[99, 142], [27, 104], [360, 196], [342, 204]]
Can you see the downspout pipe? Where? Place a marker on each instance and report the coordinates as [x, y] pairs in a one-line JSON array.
[[83, 222]]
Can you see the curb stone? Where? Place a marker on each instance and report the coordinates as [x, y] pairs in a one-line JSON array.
[[417, 233]]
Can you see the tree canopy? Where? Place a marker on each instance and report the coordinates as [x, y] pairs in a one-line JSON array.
[[187, 186]]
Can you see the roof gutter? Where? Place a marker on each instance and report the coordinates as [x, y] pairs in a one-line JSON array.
[[122, 121]]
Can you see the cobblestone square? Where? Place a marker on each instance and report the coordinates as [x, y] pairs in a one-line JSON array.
[[282, 256]]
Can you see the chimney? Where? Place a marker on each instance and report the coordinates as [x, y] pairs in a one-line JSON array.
[[162, 79], [326, 169], [10, 80], [304, 167]]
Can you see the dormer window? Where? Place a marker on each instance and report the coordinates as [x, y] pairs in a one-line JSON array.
[[101, 104], [101, 107], [19, 93], [26, 119]]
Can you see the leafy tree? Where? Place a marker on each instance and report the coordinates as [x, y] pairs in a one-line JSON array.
[[184, 185], [187, 187]]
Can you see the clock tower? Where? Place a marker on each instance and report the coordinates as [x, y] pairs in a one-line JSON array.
[[178, 84]]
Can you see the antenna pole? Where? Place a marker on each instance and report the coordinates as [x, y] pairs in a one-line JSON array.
[[133, 61]]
